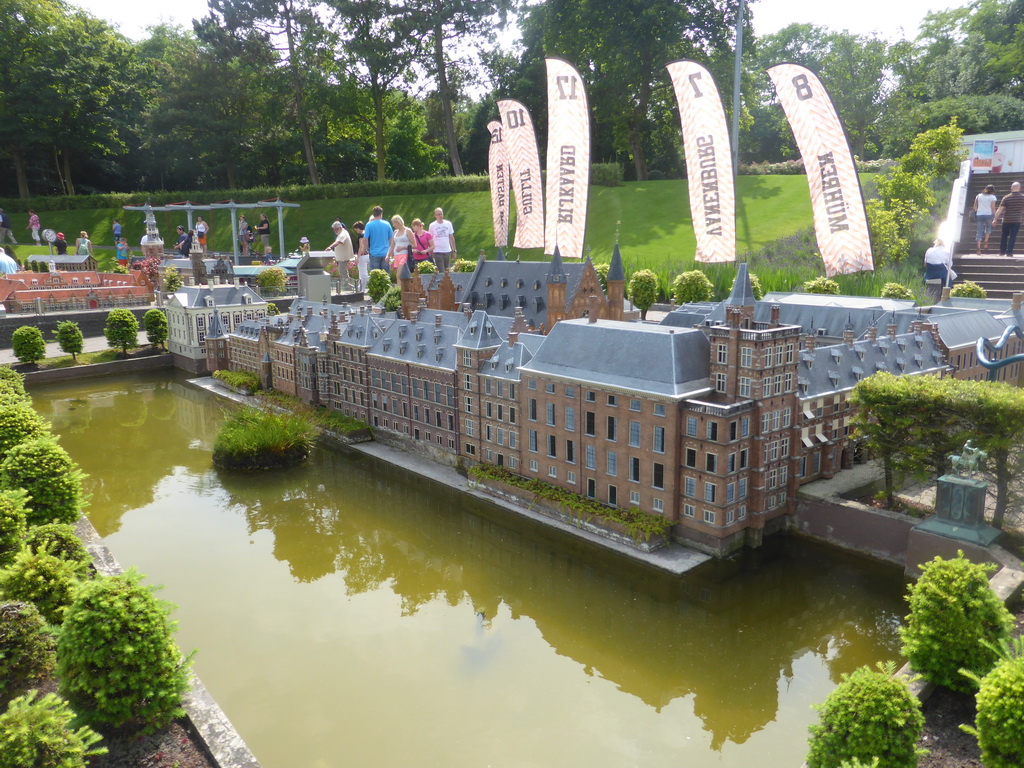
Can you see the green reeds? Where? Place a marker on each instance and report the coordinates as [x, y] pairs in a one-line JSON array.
[[257, 438]]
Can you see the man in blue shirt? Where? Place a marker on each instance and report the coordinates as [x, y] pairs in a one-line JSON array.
[[378, 234]]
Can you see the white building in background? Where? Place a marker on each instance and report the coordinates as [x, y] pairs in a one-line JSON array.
[[197, 311]]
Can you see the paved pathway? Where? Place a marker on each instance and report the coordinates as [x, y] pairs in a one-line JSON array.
[[92, 344]]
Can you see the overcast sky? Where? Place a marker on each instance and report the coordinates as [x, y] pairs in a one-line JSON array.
[[887, 18]]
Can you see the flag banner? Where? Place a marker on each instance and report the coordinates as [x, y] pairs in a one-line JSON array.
[[708, 161], [497, 166], [840, 220], [524, 173], [568, 166]]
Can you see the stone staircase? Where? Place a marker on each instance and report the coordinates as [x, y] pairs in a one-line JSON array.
[[1000, 277]]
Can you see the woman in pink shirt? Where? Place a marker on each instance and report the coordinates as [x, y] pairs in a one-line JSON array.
[[422, 243], [33, 224]]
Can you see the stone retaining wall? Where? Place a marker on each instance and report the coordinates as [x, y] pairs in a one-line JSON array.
[[150, 363], [204, 719]]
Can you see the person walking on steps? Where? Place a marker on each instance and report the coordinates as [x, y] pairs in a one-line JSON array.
[[1010, 213]]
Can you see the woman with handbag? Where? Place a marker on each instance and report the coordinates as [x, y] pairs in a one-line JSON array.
[[422, 243]]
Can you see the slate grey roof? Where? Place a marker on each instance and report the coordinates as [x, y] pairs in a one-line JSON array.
[[556, 274], [305, 328], [507, 362], [480, 333], [847, 302], [363, 329], [70, 258], [689, 315], [615, 269], [963, 328], [838, 367], [500, 286], [631, 356], [194, 296]]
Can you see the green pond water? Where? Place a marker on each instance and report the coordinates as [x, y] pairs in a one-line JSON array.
[[349, 613]]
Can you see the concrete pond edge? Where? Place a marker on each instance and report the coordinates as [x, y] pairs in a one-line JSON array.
[[205, 721]]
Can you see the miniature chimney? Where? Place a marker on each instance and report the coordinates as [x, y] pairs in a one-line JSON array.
[[594, 309], [890, 330], [848, 336], [872, 333], [437, 320], [809, 343], [776, 311], [1018, 300], [513, 338], [733, 316], [945, 295]]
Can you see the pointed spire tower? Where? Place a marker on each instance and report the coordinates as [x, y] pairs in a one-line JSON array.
[[616, 285], [556, 281], [739, 307]]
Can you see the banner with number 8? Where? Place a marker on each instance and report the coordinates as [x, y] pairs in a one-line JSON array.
[[840, 220]]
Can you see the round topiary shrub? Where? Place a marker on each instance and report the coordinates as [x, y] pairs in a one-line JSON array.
[[28, 345], [464, 265], [59, 540], [692, 286], [999, 725], [643, 290], [116, 657], [272, 281], [602, 274], [38, 733], [822, 285], [49, 476], [896, 291], [392, 299], [27, 648], [41, 579], [19, 422], [377, 284], [870, 714], [968, 290], [955, 622], [12, 525], [426, 267]]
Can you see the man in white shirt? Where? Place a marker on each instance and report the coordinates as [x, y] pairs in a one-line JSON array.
[[342, 247], [444, 241]]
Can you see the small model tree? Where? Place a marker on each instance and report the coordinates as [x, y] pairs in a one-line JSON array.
[[426, 267], [121, 330], [999, 724], [11, 381], [27, 647], [42, 579], [869, 715], [692, 286], [956, 622], [155, 323], [28, 345], [822, 285], [19, 422], [393, 299], [38, 733], [271, 281], [968, 290], [12, 524], [69, 337], [59, 540], [272, 309], [602, 275], [896, 291], [464, 265], [116, 657], [377, 284], [150, 267], [52, 480], [643, 290], [172, 280]]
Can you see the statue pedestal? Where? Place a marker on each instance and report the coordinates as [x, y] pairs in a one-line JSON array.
[[960, 511]]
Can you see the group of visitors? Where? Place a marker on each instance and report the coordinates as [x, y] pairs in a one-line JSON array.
[[1009, 213], [248, 234], [392, 245]]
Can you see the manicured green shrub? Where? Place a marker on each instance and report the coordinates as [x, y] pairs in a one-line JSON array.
[[896, 291], [955, 622], [49, 476], [116, 658], [12, 524], [11, 380], [42, 579], [19, 423], [28, 345], [155, 323], [392, 299], [377, 284], [239, 379], [59, 540], [602, 274], [869, 714], [643, 290], [606, 174], [692, 286], [69, 338], [822, 285], [272, 309], [121, 330], [255, 438], [856, 763], [999, 724], [38, 733], [426, 267], [272, 281], [27, 647], [464, 265], [965, 290], [172, 280]]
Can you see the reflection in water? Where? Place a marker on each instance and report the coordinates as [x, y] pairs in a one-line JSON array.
[[740, 640]]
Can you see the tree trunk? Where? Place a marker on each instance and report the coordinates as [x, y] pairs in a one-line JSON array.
[[378, 130], [300, 112], [69, 184], [229, 170], [444, 91], [20, 172], [635, 138]]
